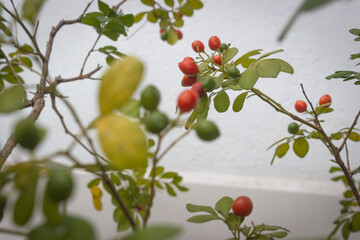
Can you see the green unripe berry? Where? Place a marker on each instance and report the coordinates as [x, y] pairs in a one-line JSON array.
[[150, 98], [164, 36], [156, 121], [233, 72], [206, 130], [208, 84], [223, 47], [60, 185], [27, 134], [293, 128]]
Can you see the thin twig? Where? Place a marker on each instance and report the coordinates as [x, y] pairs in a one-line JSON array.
[[116, 8], [80, 77], [173, 144], [13, 232], [88, 54], [349, 131]]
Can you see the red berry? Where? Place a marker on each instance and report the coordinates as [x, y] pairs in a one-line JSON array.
[[188, 58], [300, 106], [139, 208], [197, 88], [179, 33], [187, 100], [188, 81], [180, 14], [198, 46], [162, 31], [214, 43], [188, 67], [217, 59], [326, 99], [242, 206]]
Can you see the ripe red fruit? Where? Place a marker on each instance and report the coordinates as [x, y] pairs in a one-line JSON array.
[[188, 58], [326, 99], [179, 33], [162, 31], [197, 88], [188, 81], [217, 59], [214, 43], [180, 14], [242, 206], [300, 106], [188, 67], [187, 100], [197, 46]]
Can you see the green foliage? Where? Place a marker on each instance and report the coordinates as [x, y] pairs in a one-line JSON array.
[[108, 22], [154, 233], [31, 9], [349, 75], [11, 99], [221, 212], [168, 16], [69, 228]]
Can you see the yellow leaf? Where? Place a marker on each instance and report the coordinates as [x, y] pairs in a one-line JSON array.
[[97, 203], [123, 141], [119, 83]]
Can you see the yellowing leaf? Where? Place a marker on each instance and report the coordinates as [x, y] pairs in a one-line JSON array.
[[123, 141], [119, 83]]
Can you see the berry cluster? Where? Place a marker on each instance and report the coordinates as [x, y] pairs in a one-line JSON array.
[[190, 68]]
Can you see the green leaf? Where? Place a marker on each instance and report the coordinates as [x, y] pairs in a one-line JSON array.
[[158, 171], [94, 182], [187, 10], [277, 234], [195, 4], [355, 31], [170, 190], [24, 207], [169, 175], [284, 66], [172, 36], [115, 179], [270, 53], [219, 80], [103, 7], [160, 232], [224, 205], [336, 136], [335, 169], [199, 208], [51, 209], [221, 101], [131, 108], [26, 61], [31, 9], [247, 55], [348, 194], [268, 69], [239, 102], [248, 78], [230, 54], [151, 17], [92, 20], [202, 218], [5, 29], [203, 103], [190, 120], [312, 4], [127, 19], [139, 16], [69, 228], [148, 2], [301, 147], [11, 99], [170, 3], [355, 223], [121, 219], [345, 232], [179, 23], [354, 137], [280, 151], [2, 85]]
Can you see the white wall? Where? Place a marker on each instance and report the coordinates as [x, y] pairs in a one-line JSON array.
[[317, 45]]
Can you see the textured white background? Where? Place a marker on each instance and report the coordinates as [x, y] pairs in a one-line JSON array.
[[317, 45]]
